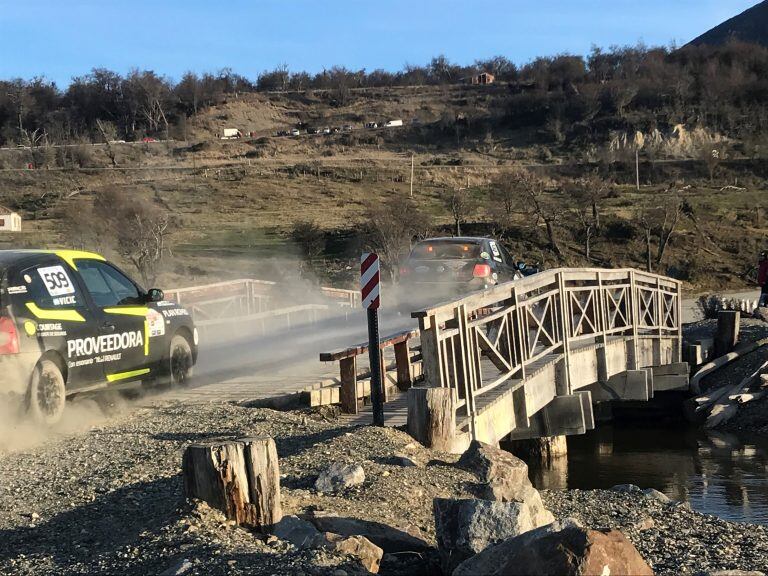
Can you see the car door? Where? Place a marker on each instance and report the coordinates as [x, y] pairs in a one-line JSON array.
[[57, 315], [122, 318]]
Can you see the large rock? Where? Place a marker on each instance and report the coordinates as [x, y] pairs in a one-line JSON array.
[[298, 532], [562, 549], [502, 476], [360, 547], [465, 527], [339, 476], [386, 537]]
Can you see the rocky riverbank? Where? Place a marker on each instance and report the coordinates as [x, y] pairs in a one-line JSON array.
[[110, 500]]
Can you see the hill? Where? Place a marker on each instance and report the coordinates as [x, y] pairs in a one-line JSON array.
[[749, 26]]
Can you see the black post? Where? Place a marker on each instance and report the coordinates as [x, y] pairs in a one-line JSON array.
[[374, 355]]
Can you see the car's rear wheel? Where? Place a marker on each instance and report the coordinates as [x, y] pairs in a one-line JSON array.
[[47, 393], [181, 361]]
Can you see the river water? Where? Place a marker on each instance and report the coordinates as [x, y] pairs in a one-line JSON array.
[[717, 473]]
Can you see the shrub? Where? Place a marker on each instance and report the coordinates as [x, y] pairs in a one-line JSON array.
[[709, 305], [310, 239]]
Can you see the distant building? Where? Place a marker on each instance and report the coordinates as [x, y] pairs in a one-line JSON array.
[[9, 220], [482, 78]]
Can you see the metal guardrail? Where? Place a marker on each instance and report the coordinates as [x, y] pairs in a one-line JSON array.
[[518, 325]]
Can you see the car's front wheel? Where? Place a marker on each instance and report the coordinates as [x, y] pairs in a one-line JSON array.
[[181, 361], [47, 393]]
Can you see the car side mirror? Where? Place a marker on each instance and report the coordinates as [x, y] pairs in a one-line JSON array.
[[155, 295], [520, 265]]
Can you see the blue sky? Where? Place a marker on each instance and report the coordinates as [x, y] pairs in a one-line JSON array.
[[60, 39]]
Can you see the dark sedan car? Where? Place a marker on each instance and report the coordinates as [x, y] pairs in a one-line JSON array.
[[443, 268]]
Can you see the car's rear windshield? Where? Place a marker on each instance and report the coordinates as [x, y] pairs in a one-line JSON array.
[[446, 250]]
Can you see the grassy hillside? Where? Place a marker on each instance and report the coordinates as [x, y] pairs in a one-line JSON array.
[[234, 203]]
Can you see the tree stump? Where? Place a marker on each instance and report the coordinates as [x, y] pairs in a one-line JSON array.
[[240, 478]]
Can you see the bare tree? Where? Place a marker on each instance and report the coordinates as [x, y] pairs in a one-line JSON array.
[[587, 229], [108, 133], [140, 228], [535, 200], [504, 197], [460, 203], [659, 218], [392, 225]]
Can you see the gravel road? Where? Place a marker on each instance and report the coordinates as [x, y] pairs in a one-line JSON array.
[[109, 500]]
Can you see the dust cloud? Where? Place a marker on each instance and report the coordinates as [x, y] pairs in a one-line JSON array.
[[19, 433], [276, 355]]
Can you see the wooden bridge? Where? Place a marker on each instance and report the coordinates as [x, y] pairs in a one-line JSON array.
[[528, 358]]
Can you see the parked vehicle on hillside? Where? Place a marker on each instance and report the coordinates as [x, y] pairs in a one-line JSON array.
[[231, 134], [371, 125], [347, 128], [295, 132], [70, 322], [393, 124]]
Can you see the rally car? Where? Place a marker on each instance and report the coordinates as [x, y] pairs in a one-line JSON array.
[[70, 321], [450, 267]]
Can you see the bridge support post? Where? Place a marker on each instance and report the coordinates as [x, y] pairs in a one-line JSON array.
[[432, 417], [403, 365], [728, 324], [348, 390]]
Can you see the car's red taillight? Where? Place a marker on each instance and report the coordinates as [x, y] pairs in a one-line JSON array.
[[9, 337], [481, 271]]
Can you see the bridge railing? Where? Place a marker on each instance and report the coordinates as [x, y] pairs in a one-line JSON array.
[[405, 360], [227, 299], [484, 340]]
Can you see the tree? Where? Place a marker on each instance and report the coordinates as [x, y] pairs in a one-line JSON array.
[[140, 228], [460, 203], [392, 225], [535, 200], [659, 218], [503, 197]]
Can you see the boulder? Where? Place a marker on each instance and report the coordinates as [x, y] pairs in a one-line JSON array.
[[404, 460], [298, 532], [562, 548], [627, 488], [654, 494], [360, 547], [388, 538], [339, 476], [465, 527], [181, 566], [505, 476]]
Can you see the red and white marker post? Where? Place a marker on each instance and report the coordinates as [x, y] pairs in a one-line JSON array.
[[370, 289]]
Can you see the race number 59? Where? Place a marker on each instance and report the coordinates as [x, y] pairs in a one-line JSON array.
[[56, 280]]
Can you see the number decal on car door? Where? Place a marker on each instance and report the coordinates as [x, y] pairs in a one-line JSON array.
[[56, 280]]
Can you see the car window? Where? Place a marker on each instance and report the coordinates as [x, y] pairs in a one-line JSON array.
[[47, 285], [446, 250], [506, 255], [107, 285]]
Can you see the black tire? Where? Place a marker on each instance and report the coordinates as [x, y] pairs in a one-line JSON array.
[[47, 394], [180, 361]]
